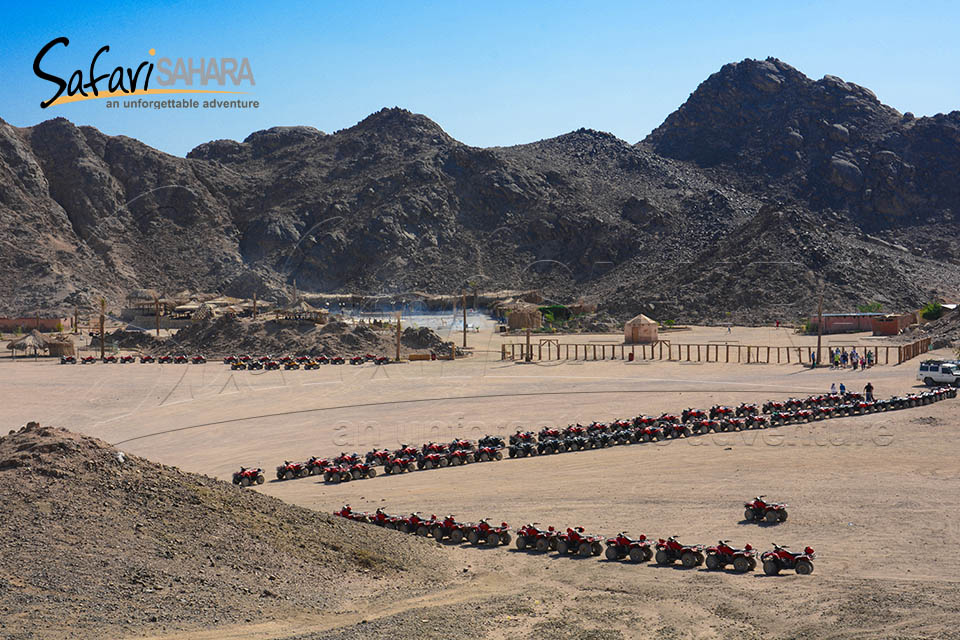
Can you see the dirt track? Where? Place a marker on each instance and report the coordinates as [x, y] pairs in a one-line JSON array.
[[861, 489]]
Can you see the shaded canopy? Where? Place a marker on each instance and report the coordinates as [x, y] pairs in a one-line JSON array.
[[32, 340]]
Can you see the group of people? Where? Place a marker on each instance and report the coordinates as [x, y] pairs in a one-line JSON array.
[[867, 390], [840, 359]]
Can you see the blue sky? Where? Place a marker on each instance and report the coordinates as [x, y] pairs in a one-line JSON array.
[[490, 73]]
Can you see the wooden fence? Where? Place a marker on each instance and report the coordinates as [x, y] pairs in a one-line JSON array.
[[550, 349]]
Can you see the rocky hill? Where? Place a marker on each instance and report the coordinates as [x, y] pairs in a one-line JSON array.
[[97, 543], [760, 186]]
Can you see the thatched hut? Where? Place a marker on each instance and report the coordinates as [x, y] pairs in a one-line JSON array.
[[640, 329], [301, 311], [57, 348], [33, 341], [521, 315]]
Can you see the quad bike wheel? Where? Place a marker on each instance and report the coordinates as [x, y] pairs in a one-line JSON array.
[[371, 473], [562, 547], [638, 554], [357, 474], [771, 568], [783, 515], [422, 531], [505, 538], [713, 562], [521, 543], [245, 482], [542, 545], [473, 538], [612, 553], [499, 456], [484, 457], [749, 515], [314, 470], [771, 516], [596, 548], [740, 564], [443, 462], [753, 564], [493, 539], [396, 469], [584, 550], [437, 533], [689, 559], [346, 476], [260, 479], [663, 557], [804, 567], [456, 536], [288, 475]]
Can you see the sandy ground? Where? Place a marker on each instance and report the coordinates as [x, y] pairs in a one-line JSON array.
[[877, 496]]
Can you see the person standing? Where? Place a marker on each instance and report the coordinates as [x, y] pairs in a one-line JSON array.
[[833, 388], [863, 364], [843, 388], [868, 391], [843, 358]]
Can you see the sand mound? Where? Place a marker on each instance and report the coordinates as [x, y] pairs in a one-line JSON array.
[[92, 538]]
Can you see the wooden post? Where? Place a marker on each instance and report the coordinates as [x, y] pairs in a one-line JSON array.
[[788, 355], [778, 355], [819, 326], [529, 355], [661, 351], [398, 324], [503, 352], [768, 355], [103, 312], [728, 353], [698, 353], [464, 319], [540, 351]]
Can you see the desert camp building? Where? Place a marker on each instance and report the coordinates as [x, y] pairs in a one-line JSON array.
[[640, 330]]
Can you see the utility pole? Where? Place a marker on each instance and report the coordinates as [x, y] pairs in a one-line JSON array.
[[398, 336], [156, 312], [464, 296], [529, 355], [103, 313], [819, 325]]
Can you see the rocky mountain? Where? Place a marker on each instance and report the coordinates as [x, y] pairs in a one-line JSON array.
[[762, 186]]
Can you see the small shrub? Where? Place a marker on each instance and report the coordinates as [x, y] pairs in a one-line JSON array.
[[870, 307], [931, 311]]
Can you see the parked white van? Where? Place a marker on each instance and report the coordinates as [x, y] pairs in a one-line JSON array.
[[939, 372]]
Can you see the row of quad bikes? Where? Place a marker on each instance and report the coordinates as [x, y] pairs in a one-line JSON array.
[[576, 542], [643, 428], [297, 362]]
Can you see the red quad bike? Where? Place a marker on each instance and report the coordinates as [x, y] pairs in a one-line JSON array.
[[110, 359], [434, 447], [369, 357], [484, 532], [290, 470], [302, 359], [415, 524], [460, 445], [692, 415], [706, 426], [245, 358], [377, 456], [383, 519], [621, 546], [757, 422], [357, 360], [733, 424], [745, 410], [669, 551], [405, 451], [759, 510], [575, 430], [448, 529], [180, 359], [317, 465], [432, 461], [336, 474], [668, 418], [652, 433], [126, 359], [399, 465], [87, 360], [337, 360], [246, 477], [486, 454], [781, 558], [165, 359], [198, 359], [781, 417], [743, 560], [362, 470], [576, 541], [271, 365], [459, 457], [676, 429], [146, 359], [285, 359], [822, 412], [381, 360], [793, 404], [548, 432], [348, 459], [816, 401], [719, 412], [322, 359], [68, 360], [531, 537], [774, 406], [348, 513], [264, 359], [230, 359]]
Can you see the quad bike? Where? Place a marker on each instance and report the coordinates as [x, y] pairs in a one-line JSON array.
[[448, 529], [317, 465], [127, 359], [111, 359], [302, 358], [68, 360], [746, 409], [381, 360], [757, 422], [415, 524], [523, 436], [676, 430], [290, 470], [434, 447], [652, 433], [692, 415], [230, 359], [575, 541], [369, 357], [198, 359], [238, 366], [601, 439], [486, 454], [291, 364], [706, 426], [180, 359], [377, 457], [491, 441], [803, 415], [432, 461], [362, 470], [399, 465], [245, 357], [793, 404], [264, 359], [574, 443], [337, 473], [285, 359], [624, 436], [547, 433], [147, 358], [255, 365], [165, 359], [669, 551], [383, 519], [347, 459], [743, 560], [311, 364], [575, 430], [246, 477], [597, 427], [621, 546], [337, 360], [88, 360], [733, 424], [780, 558], [406, 451], [759, 510], [522, 450], [668, 419], [531, 537], [823, 412], [322, 359], [718, 412], [781, 417], [357, 360], [459, 457], [271, 365], [550, 446], [348, 513], [642, 421], [774, 406], [484, 532]]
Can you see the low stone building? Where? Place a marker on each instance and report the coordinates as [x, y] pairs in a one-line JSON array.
[[640, 330]]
